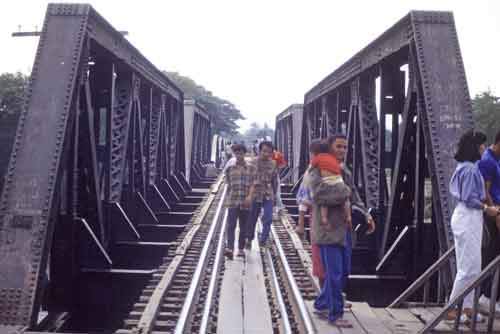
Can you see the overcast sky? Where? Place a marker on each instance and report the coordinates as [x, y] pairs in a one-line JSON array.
[[263, 55]]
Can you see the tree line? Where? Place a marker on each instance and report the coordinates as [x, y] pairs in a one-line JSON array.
[[224, 114]]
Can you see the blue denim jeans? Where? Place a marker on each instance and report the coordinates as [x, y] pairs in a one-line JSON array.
[[330, 297], [267, 219], [347, 258]]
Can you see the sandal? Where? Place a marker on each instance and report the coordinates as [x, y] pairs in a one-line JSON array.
[[342, 323], [451, 315], [228, 253], [240, 253], [465, 317], [321, 313], [468, 318]]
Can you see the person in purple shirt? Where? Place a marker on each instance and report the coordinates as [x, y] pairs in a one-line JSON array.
[[467, 188], [490, 170]]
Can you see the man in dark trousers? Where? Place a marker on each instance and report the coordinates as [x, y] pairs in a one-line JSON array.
[[489, 166], [239, 178]]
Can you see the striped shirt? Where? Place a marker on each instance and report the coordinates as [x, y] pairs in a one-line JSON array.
[[239, 178]]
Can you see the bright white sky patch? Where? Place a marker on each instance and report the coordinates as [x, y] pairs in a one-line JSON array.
[[263, 55]]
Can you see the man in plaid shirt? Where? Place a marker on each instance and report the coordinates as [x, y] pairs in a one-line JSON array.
[[263, 192], [239, 178]]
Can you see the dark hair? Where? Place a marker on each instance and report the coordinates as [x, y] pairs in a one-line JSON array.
[[324, 146], [266, 143], [468, 146], [239, 147], [315, 146], [497, 138], [334, 137]]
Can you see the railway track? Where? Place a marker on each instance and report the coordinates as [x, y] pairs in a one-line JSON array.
[[289, 283], [180, 296]]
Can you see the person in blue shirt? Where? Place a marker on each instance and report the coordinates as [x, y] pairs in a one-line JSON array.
[[490, 170], [467, 188]]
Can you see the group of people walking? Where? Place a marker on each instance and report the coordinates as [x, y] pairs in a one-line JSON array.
[[327, 191], [329, 194], [253, 185], [475, 185]]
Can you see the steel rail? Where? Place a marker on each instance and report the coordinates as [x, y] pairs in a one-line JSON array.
[[304, 314], [279, 296], [150, 312], [213, 278], [214, 189], [299, 247], [195, 282]]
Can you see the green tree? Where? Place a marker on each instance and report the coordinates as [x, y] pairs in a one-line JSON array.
[[486, 108], [11, 93], [223, 113], [257, 132], [265, 132], [12, 88]]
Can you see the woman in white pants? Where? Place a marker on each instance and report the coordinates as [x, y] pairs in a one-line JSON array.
[[467, 187]]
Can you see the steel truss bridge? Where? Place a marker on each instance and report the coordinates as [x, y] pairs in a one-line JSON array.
[[105, 146], [108, 222], [403, 102]]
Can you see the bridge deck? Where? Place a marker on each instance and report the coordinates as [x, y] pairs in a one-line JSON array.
[[244, 307]]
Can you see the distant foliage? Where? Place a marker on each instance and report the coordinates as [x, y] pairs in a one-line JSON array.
[[11, 93], [224, 114], [12, 88], [487, 113], [258, 132], [254, 132]]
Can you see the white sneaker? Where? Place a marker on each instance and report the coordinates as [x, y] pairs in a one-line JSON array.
[[484, 304], [479, 318], [464, 319]]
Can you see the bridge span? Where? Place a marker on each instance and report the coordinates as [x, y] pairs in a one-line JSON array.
[[113, 217]]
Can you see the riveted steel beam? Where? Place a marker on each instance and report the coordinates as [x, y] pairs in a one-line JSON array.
[[102, 129], [405, 141]]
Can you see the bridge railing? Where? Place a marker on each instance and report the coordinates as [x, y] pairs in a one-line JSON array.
[[492, 271], [425, 280]]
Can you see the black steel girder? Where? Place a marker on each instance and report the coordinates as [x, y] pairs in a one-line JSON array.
[[198, 139], [403, 102], [99, 140], [288, 139]]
